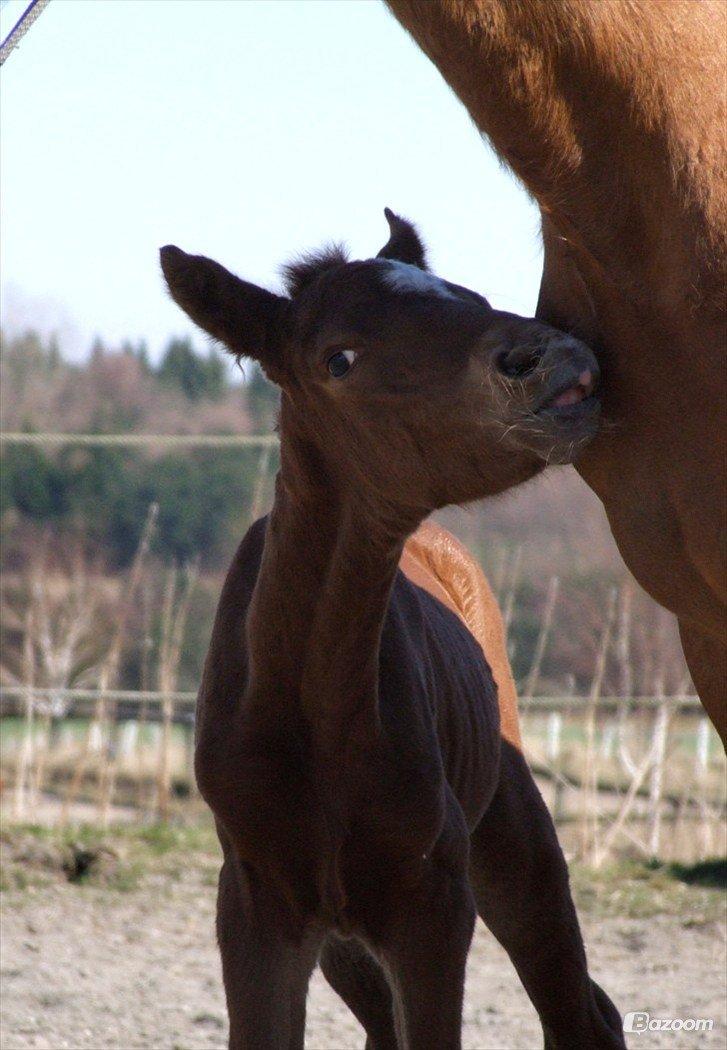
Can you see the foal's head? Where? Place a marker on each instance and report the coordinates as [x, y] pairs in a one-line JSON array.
[[409, 387]]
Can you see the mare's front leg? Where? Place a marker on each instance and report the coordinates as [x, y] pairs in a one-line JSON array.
[[265, 971], [520, 880], [424, 950]]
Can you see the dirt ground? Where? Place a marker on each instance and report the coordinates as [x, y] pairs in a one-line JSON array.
[[87, 966]]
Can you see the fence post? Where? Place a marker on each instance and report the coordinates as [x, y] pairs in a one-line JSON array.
[[165, 771], [22, 774], [703, 747], [607, 741], [555, 728], [589, 831], [657, 775], [189, 756], [174, 621], [553, 744]]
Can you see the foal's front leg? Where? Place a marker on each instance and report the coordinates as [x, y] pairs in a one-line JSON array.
[[425, 952], [427, 964], [265, 973], [355, 975]]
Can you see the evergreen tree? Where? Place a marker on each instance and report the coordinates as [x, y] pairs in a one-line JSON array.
[[197, 377], [37, 487]]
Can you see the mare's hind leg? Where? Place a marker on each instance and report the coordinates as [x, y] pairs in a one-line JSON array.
[[520, 880], [356, 976], [265, 972]]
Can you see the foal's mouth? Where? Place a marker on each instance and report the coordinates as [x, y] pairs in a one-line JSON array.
[[570, 398], [564, 413], [555, 408]]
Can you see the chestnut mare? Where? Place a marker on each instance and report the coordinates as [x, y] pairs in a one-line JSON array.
[[349, 740], [613, 116]]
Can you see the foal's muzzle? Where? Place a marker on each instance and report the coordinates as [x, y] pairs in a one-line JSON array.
[[555, 407]]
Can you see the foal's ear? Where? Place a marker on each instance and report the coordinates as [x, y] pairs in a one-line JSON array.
[[247, 319], [404, 244]]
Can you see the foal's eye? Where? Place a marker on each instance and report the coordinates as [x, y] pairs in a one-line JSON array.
[[340, 362]]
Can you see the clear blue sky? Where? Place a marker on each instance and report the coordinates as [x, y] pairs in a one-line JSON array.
[[240, 129]]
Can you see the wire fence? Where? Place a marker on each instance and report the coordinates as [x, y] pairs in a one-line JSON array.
[[129, 440], [12, 696], [647, 778], [638, 773]]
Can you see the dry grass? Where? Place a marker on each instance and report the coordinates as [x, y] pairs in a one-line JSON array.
[[124, 857]]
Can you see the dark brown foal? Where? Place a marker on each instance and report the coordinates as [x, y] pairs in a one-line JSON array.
[[349, 739]]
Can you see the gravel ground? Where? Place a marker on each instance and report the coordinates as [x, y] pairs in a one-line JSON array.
[[87, 967]]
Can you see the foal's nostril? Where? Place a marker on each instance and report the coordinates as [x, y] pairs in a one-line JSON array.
[[519, 362]]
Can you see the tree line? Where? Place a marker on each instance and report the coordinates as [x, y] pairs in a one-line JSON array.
[[54, 498], [204, 495]]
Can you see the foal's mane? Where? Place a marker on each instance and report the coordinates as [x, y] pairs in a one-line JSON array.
[[301, 271]]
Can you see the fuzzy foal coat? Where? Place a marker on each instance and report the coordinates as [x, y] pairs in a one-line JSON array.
[[374, 861], [444, 737]]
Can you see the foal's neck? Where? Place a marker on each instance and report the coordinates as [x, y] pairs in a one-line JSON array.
[[316, 616]]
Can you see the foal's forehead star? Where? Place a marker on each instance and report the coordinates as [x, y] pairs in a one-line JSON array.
[[403, 277]]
